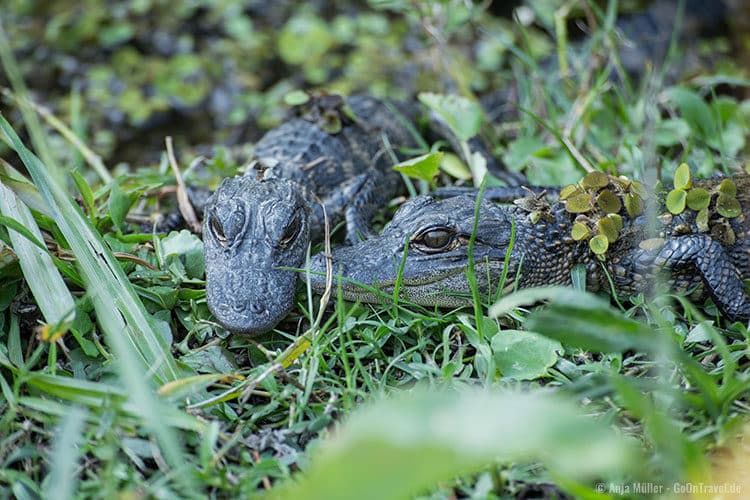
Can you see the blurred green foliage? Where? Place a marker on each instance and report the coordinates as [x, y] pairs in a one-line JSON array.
[[211, 67]]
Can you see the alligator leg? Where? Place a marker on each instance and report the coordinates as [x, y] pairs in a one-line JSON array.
[[363, 203], [720, 275], [358, 200]]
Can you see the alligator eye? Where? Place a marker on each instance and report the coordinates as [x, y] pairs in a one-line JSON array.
[[218, 231], [435, 240], [292, 230]]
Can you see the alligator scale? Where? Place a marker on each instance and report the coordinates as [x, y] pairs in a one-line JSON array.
[[700, 251], [255, 224]]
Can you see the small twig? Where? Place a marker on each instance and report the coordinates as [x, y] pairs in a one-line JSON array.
[[133, 258], [329, 270], [186, 208], [265, 480]]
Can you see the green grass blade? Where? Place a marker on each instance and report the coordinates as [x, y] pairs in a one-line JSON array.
[[117, 303], [143, 355], [61, 481], [46, 283], [25, 190]]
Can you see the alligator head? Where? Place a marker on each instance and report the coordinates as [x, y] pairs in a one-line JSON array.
[[431, 238], [252, 228]]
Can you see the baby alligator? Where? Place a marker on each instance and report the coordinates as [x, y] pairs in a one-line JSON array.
[[335, 152], [427, 243]]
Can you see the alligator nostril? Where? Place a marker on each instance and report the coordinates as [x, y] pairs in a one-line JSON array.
[[256, 308], [238, 307]]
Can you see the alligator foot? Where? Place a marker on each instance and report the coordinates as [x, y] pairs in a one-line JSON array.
[[720, 275], [364, 202]]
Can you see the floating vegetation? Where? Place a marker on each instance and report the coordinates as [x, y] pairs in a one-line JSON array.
[[598, 198]]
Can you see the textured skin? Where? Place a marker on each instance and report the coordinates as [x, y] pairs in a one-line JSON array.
[[256, 223], [544, 254]]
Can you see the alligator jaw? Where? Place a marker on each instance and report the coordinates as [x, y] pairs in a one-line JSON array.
[[411, 288]]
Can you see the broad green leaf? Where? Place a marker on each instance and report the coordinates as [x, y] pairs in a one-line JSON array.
[[423, 167], [567, 191], [521, 150], [530, 296], [580, 319], [524, 355], [700, 332], [671, 131], [188, 247], [397, 447], [463, 116], [696, 112], [455, 167]]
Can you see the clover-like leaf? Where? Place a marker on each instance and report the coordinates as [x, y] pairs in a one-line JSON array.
[[331, 122], [567, 191], [616, 220], [621, 182], [723, 233], [606, 227], [633, 205], [682, 177], [728, 206], [701, 220], [599, 244], [579, 203], [594, 180], [608, 202], [728, 187], [676, 201], [580, 231], [698, 199], [639, 189], [296, 97]]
